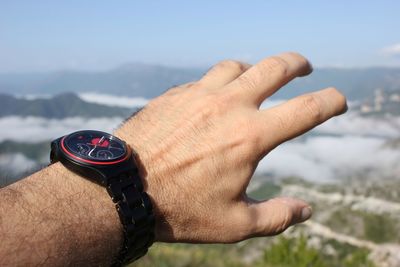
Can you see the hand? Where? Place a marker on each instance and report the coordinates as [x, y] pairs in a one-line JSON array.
[[199, 145]]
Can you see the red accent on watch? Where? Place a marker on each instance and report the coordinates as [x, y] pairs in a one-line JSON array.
[[95, 141], [91, 161]]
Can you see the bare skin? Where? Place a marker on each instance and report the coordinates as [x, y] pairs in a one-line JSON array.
[[198, 146]]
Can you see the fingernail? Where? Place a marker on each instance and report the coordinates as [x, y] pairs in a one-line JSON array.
[[306, 213]]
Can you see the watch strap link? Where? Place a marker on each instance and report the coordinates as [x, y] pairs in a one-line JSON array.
[[135, 211]]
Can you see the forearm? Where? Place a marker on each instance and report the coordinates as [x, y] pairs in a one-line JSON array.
[[56, 218]]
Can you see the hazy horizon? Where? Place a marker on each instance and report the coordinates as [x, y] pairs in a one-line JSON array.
[[205, 67]]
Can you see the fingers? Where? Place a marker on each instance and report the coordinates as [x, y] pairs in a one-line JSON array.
[[265, 78], [274, 216], [299, 115], [223, 73]]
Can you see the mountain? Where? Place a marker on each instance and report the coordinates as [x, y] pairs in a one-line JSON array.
[[130, 80], [59, 106], [33, 151], [150, 80]]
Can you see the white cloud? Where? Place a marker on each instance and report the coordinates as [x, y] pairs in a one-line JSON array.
[[392, 50], [326, 158], [354, 124], [113, 100], [35, 129], [15, 164]]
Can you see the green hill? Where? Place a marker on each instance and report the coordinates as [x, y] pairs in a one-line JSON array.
[[60, 106]]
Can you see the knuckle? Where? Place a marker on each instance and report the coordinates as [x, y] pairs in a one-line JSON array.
[[312, 105], [280, 121], [277, 222], [287, 219], [249, 132], [228, 97], [246, 223], [276, 65], [196, 86], [247, 82], [189, 85], [220, 99], [232, 65], [283, 218], [173, 90], [254, 141], [214, 104]]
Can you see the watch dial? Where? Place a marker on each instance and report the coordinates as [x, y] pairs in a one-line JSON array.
[[95, 146]]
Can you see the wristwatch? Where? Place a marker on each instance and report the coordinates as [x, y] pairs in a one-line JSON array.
[[110, 162]]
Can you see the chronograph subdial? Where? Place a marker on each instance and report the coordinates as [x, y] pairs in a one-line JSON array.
[[104, 154], [83, 149]]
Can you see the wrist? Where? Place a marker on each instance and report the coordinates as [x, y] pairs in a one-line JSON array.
[[95, 213], [147, 171], [79, 186]]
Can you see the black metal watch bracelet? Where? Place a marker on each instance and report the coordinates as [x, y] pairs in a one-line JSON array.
[[135, 211]]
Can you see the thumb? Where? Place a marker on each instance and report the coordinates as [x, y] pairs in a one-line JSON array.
[[275, 215]]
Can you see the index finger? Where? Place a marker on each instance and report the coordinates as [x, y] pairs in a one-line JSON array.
[[266, 77]]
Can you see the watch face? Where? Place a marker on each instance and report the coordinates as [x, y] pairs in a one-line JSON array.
[[94, 146]]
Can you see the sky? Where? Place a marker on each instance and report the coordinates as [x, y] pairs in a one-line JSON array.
[[41, 36]]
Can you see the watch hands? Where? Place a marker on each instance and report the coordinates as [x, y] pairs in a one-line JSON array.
[[95, 146], [99, 142]]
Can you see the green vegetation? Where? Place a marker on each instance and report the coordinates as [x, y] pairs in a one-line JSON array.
[[295, 180], [380, 228], [182, 255], [347, 255], [60, 106], [358, 259], [373, 227], [265, 191], [296, 252], [387, 190], [346, 221], [285, 252], [292, 252]]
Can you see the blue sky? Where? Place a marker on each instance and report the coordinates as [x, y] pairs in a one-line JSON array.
[[95, 35]]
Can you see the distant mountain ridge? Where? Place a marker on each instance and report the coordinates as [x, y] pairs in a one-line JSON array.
[[59, 106], [129, 80], [150, 80]]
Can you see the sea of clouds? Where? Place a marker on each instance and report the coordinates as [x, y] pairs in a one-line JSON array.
[[113, 100], [343, 146], [327, 158], [37, 129]]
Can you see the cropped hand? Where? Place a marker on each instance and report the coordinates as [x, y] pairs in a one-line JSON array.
[[199, 144]]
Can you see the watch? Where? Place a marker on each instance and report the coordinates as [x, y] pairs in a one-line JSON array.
[[110, 162]]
